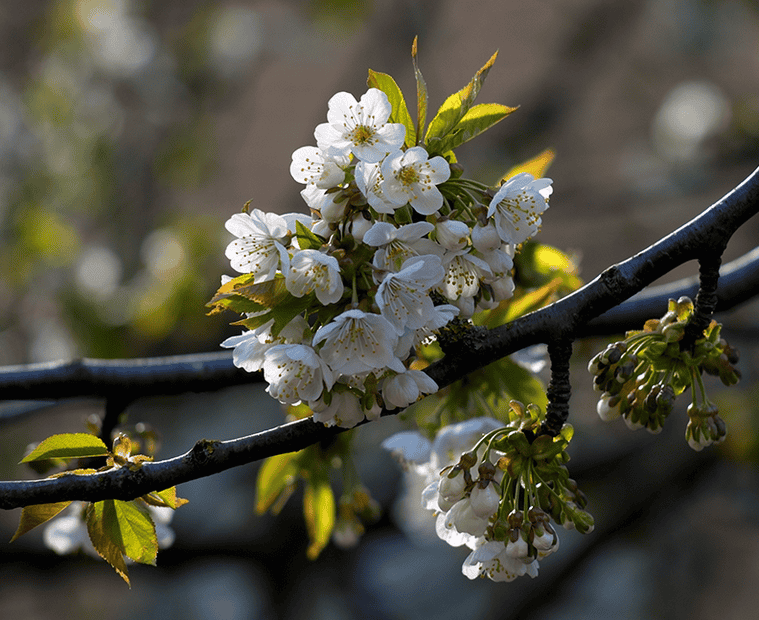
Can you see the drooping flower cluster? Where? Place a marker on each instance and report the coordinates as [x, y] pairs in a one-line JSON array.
[[337, 302], [640, 377], [496, 489]]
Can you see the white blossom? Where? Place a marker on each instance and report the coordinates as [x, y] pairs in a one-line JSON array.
[[463, 271], [517, 205], [369, 181], [485, 501], [406, 388], [357, 341], [491, 560], [329, 205], [395, 245], [452, 234], [312, 270], [295, 373], [311, 166], [360, 127], [251, 346], [344, 410], [403, 297], [411, 177], [259, 248], [486, 238]]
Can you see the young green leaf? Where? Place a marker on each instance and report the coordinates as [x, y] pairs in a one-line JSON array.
[[167, 497], [282, 313], [400, 113], [67, 446], [421, 95], [37, 514], [241, 295], [127, 526], [319, 512], [276, 481], [307, 240], [477, 119], [108, 547], [536, 166], [454, 108]]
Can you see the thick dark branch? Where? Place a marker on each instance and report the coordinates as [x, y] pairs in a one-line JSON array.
[[738, 282], [562, 319], [206, 372], [178, 374]]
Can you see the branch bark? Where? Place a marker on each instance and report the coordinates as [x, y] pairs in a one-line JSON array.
[[567, 318]]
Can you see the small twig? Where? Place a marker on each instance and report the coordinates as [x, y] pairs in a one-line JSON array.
[[706, 300], [559, 387]]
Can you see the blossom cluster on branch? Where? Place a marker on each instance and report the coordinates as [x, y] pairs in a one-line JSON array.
[[398, 242], [403, 259]]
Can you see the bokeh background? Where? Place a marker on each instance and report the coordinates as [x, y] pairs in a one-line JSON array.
[[131, 130]]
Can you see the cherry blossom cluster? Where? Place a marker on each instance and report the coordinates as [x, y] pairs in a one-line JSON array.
[[496, 490], [397, 244], [639, 377]]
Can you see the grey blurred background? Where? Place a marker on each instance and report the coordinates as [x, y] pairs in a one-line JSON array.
[[130, 131]]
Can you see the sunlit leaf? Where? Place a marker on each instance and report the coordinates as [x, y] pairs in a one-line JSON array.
[[276, 481], [67, 446], [37, 514], [533, 300], [454, 108], [307, 239], [421, 94], [167, 497], [126, 526], [108, 548], [400, 113], [282, 313], [478, 119], [319, 513], [538, 263], [521, 384], [536, 166]]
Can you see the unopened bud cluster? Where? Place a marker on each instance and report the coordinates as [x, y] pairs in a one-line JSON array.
[[500, 497], [640, 377]]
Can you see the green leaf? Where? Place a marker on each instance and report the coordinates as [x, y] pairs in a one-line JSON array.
[[521, 384], [400, 113], [536, 166], [319, 512], [454, 108], [102, 540], [538, 264], [282, 314], [307, 240], [241, 295], [167, 497], [276, 481], [478, 119], [123, 526], [32, 516], [421, 95], [67, 446]]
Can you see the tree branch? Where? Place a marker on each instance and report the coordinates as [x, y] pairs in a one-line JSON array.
[[566, 318]]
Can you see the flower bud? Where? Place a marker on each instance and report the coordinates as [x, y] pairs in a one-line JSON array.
[[452, 487], [485, 501], [452, 234], [486, 238]]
